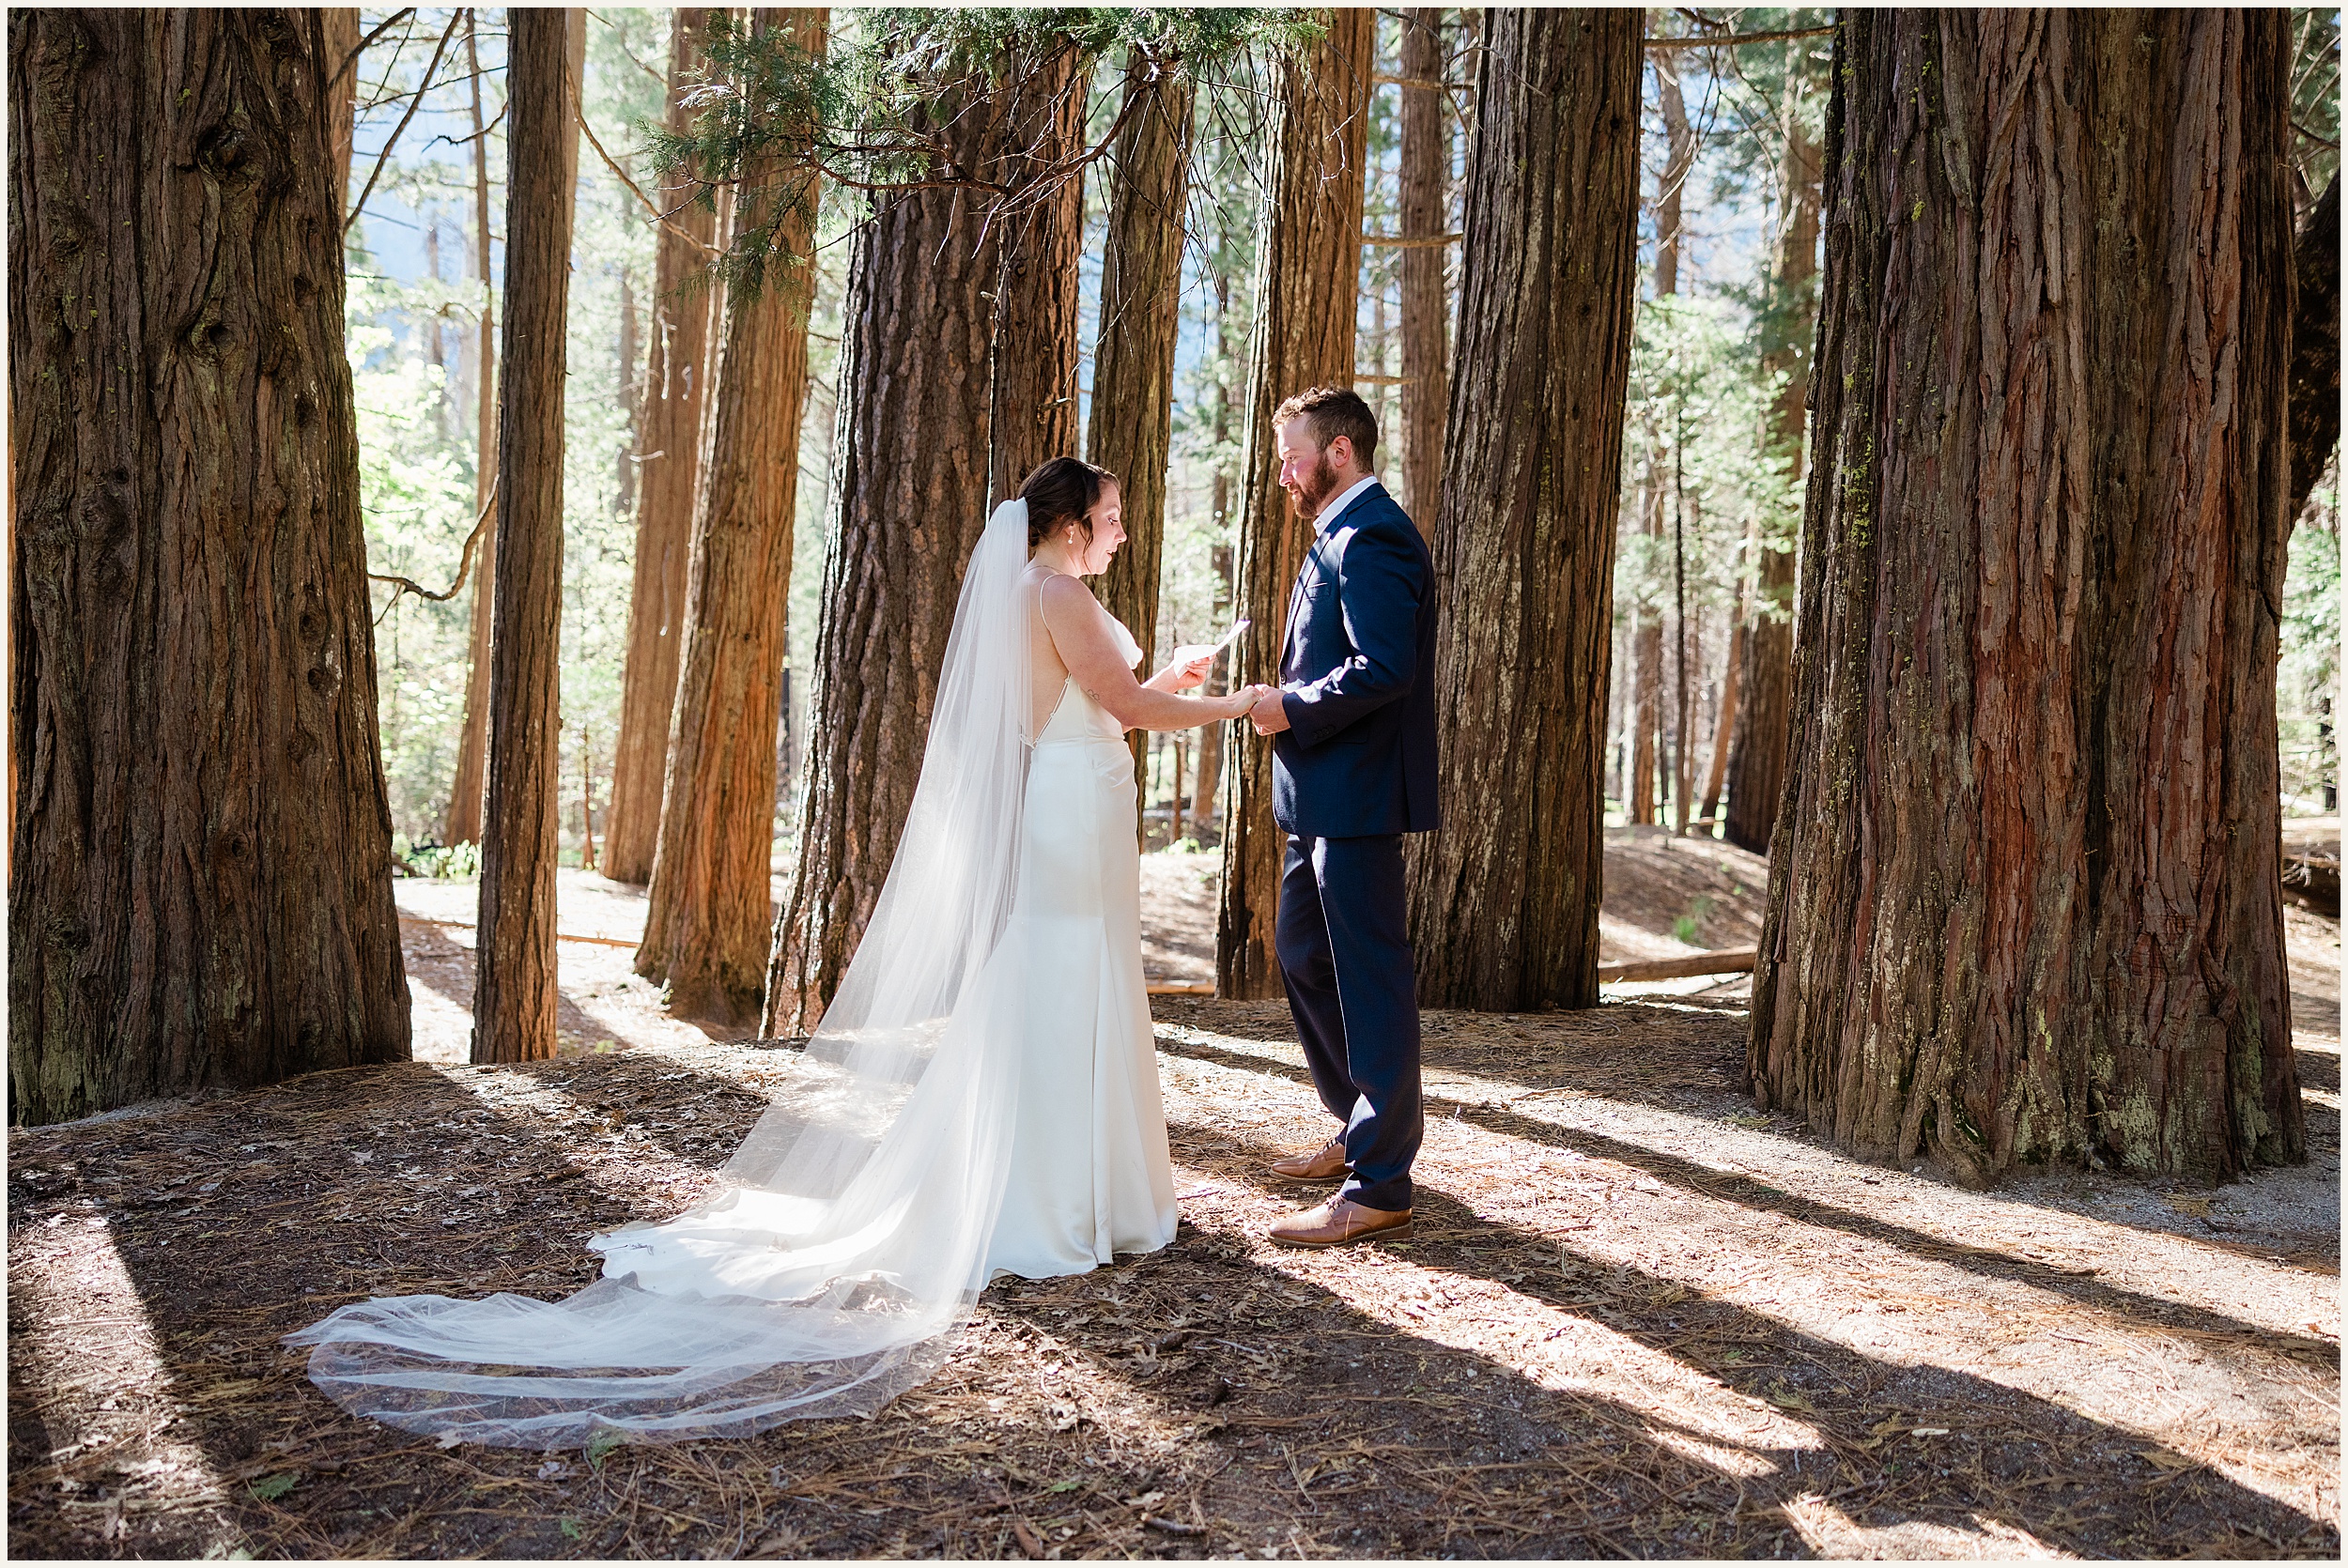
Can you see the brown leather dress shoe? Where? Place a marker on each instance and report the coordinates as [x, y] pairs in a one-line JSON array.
[[1325, 1163], [1340, 1223]]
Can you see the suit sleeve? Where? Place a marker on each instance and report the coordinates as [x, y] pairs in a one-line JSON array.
[[1381, 584]]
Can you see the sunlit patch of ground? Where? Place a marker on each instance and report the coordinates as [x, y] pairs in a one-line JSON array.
[[1635, 1319]]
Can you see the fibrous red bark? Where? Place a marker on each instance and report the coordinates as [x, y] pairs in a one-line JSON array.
[[2025, 905], [200, 871], [514, 995], [708, 931], [1307, 278], [1505, 895], [1423, 176], [1131, 427], [676, 384], [463, 823], [908, 502]]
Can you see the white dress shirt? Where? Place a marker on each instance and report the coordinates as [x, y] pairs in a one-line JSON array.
[[1328, 518]]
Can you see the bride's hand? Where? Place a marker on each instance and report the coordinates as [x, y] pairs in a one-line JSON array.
[[1239, 704], [1189, 665]]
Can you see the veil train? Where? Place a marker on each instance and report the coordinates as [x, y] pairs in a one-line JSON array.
[[848, 1241]]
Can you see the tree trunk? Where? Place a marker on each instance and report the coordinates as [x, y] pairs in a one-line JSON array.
[[1219, 558], [668, 485], [1506, 895], [1034, 413], [2025, 904], [907, 505], [1308, 273], [1132, 360], [1424, 175], [1656, 761], [2315, 348], [1725, 715], [1756, 757], [341, 25], [1210, 772], [1641, 804], [473, 734], [631, 398], [514, 995], [200, 889], [706, 932]]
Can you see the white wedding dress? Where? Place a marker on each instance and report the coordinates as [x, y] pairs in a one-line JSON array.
[[980, 1098]]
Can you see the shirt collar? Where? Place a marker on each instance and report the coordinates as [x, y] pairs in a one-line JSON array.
[[1328, 518]]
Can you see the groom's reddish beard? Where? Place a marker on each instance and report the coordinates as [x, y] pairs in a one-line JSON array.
[[1316, 488]]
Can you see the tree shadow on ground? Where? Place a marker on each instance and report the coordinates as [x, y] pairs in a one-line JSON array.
[[1760, 1197], [1292, 1416], [1684, 1057]]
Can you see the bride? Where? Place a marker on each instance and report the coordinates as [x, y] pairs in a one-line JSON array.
[[981, 1098]]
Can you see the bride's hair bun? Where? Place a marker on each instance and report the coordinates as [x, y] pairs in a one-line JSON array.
[[1062, 490]]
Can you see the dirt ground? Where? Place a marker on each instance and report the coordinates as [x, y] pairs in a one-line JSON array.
[[1636, 1318]]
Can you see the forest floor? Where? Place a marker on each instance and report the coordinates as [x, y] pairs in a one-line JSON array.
[[1636, 1319]]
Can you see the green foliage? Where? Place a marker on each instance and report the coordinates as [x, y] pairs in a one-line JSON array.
[[1698, 441], [269, 1489], [2306, 678], [871, 111]]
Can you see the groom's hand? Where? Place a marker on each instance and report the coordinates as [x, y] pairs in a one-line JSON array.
[[1269, 717]]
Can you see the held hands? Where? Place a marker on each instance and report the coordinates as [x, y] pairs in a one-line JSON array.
[[1242, 702], [1267, 713]]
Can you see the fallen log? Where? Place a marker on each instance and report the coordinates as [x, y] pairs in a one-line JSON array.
[[1735, 961]]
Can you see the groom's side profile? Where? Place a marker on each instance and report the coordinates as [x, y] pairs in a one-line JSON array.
[[1352, 728]]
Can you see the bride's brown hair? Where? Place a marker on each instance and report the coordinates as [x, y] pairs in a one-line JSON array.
[[1062, 490]]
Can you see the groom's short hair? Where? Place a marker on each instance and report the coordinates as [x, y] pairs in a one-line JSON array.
[[1331, 412]]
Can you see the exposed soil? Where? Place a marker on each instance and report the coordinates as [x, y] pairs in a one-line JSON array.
[[1636, 1318]]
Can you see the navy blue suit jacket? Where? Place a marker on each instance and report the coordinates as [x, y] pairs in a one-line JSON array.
[[1357, 666]]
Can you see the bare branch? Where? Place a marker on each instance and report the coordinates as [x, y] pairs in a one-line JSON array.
[[464, 563], [415, 103]]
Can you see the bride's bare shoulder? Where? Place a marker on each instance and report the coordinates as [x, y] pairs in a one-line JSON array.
[[1064, 595]]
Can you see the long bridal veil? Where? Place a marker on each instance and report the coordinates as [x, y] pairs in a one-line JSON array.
[[849, 1237]]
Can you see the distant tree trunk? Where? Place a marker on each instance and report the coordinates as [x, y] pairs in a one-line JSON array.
[[1035, 406], [1424, 177], [668, 483], [1659, 760], [514, 995], [706, 933], [1641, 803], [1725, 715], [1506, 895], [631, 398], [200, 888], [473, 734], [2315, 348], [1308, 272], [2024, 903], [341, 24], [1219, 505], [1756, 755], [1133, 358], [907, 505]]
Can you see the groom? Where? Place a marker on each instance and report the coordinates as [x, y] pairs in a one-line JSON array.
[[1352, 728]]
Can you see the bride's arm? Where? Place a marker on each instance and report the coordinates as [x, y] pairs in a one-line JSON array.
[[1087, 642]]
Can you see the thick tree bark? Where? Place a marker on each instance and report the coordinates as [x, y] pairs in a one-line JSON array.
[[1132, 360], [1505, 895], [200, 888], [668, 485], [2315, 348], [2024, 899], [1424, 175], [1308, 277], [514, 996], [908, 502], [706, 932], [473, 734], [341, 27], [1756, 759], [1036, 319]]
